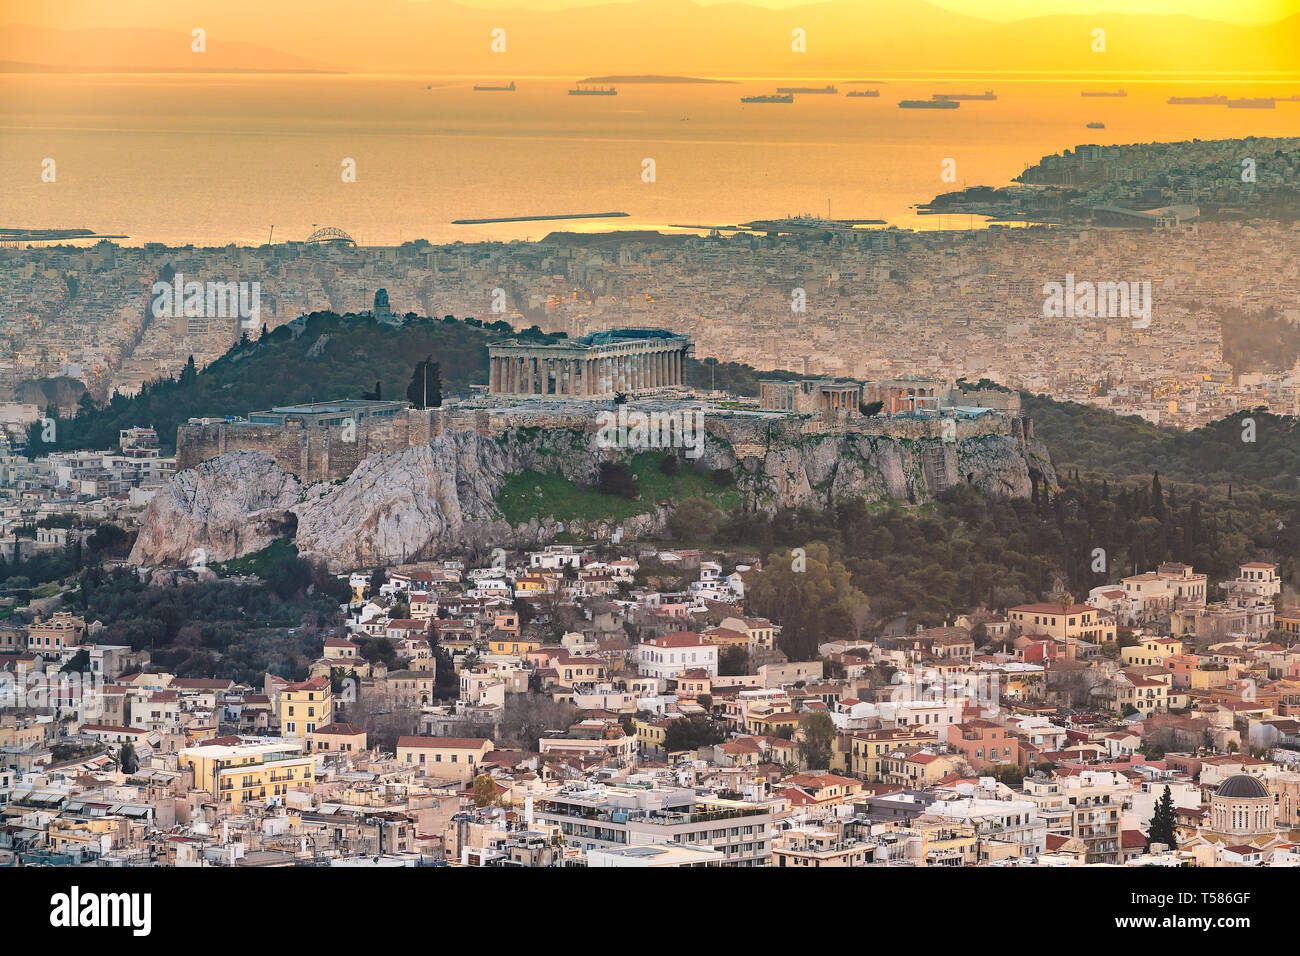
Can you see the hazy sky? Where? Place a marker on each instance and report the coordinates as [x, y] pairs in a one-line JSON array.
[[1231, 11], [713, 37], [1252, 12]]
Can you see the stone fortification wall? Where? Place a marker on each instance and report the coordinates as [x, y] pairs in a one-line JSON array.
[[332, 454]]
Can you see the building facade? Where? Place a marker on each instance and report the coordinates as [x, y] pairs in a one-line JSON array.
[[596, 366]]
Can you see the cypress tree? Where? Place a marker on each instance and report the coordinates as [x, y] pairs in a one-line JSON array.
[[1161, 828]]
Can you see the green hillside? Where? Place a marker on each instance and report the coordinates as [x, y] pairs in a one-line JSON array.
[[319, 357], [1100, 444]]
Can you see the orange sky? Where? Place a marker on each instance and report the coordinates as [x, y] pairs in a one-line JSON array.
[[1252, 12], [708, 37], [1231, 11]]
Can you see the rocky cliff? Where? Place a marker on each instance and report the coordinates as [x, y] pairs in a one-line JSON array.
[[224, 508], [440, 497]]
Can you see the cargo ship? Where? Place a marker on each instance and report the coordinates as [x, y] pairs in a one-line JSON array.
[[496, 89], [593, 91], [1096, 126], [807, 89], [928, 104], [986, 95], [863, 93], [1197, 101], [1103, 93], [1249, 103], [777, 98]]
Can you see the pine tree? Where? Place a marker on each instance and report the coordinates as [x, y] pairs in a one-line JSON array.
[[1161, 828]]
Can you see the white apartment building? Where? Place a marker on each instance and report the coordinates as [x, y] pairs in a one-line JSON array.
[[1011, 821], [1256, 578], [666, 657], [604, 818]]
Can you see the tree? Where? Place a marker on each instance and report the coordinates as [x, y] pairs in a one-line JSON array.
[[616, 478], [425, 390], [77, 664], [810, 595], [485, 791], [378, 649], [818, 735], [733, 661], [832, 669], [1161, 828], [1009, 773], [691, 733], [289, 576], [694, 519], [527, 717], [126, 758]]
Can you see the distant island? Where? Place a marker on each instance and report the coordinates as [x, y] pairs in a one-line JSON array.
[[651, 78], [566, 215]]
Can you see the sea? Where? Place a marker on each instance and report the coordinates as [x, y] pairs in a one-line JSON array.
[[215, 159]]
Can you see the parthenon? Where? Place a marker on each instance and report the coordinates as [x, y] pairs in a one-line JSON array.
[[596, 366]]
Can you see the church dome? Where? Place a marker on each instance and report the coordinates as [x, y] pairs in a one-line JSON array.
[[1241, 785]]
